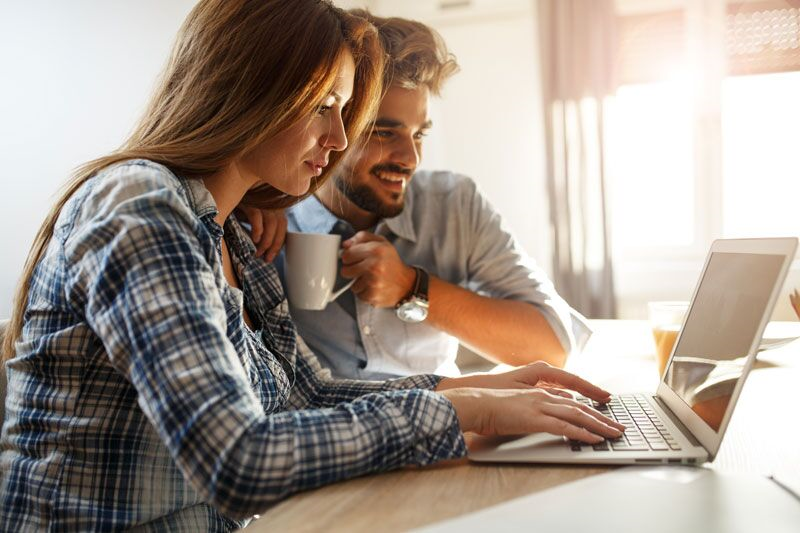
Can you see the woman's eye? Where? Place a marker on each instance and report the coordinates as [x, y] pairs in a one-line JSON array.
[[382, 134], [323, 109]]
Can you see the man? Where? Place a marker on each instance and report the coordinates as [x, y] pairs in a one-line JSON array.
[[432, 263]]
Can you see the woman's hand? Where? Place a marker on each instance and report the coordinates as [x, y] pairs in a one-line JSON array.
[[539, 375], [268, 230], [519, 411]]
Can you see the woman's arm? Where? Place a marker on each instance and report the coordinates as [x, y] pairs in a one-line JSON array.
[[315, 387], [145, 282]]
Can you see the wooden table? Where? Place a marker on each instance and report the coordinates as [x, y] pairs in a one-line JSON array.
[[762, 438]]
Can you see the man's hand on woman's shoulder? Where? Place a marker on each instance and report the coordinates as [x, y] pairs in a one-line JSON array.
[[268, 230]]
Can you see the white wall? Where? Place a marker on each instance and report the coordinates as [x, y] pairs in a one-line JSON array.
[[75, 76]]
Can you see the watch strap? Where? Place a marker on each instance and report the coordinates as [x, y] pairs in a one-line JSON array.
[[421, 285], [419, 289]]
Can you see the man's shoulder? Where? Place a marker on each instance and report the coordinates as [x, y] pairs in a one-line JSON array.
[[442, 183]]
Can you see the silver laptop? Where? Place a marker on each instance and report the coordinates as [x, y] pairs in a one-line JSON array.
[[685, 420]]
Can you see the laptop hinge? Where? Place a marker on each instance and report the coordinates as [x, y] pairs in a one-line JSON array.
[[677, 422]]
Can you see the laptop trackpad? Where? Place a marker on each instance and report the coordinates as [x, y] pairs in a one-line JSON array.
[[514, 444]]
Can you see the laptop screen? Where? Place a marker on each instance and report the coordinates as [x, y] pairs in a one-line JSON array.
[[723, 320]]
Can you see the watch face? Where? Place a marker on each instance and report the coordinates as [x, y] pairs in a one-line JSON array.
[[413, 311]]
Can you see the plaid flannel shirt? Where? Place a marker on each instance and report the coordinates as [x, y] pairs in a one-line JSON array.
[[139, 397]]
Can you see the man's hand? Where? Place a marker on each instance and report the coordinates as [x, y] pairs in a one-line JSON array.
[[268, 230], [382, 279]]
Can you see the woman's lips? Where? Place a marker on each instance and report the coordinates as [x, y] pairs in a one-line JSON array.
[[316, 168]]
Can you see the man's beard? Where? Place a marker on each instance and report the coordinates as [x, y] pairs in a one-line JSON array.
[[365, 198]]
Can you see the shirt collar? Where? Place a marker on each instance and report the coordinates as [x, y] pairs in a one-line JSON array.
[[203, 204], [311, 216], [200, 199]]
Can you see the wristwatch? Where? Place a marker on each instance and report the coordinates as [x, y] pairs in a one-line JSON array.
[[414, 307]]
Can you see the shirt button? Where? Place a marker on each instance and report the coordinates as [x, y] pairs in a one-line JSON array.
[[367, 330]]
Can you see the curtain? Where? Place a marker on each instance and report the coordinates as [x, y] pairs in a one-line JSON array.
[[578, 45]]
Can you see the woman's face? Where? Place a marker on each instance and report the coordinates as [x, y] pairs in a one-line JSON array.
[[289, 160]]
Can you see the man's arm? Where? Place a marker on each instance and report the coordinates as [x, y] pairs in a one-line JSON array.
[[505, 331], [520, 303]]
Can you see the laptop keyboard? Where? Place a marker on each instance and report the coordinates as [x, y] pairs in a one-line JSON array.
[[645, 431]]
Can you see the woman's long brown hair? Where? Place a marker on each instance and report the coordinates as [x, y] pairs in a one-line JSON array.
[[240, 72]]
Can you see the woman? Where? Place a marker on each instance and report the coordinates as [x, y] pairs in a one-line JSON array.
[[155, 378]]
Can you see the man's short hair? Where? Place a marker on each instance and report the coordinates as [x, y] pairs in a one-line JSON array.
[[418, 55]]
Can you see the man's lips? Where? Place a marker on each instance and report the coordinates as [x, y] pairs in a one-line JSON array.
[[392, 180]]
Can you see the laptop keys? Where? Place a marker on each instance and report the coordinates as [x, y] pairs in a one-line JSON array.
[[645, 431]]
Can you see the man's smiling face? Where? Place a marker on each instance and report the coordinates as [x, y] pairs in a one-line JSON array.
[[376, 181]]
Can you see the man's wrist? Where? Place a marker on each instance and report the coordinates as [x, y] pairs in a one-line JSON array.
[[410, 275]]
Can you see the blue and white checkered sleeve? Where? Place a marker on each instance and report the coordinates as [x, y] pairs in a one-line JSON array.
[[311, 448], [315, 387]]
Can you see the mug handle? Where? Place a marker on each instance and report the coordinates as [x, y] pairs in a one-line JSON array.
[[338, 293], [346, 286]]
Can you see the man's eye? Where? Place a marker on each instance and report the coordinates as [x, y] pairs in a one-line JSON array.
[[382, 134], [420, 135]]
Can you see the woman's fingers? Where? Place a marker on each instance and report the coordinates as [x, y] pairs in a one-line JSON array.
[[600, 416], [557, 392], [590, 411], [570, 381], [559, 426], [594, 422]]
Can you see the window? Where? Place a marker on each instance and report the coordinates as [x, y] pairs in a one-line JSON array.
[[650, 161], [702, 146], [702, 136], [760, 156]]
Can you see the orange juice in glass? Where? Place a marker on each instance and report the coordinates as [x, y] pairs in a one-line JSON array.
[[665, 319]]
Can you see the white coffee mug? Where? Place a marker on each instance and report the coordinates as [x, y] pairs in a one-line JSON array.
[[312, 261]]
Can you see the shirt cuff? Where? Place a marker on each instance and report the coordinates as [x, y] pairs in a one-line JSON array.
[[435, 425], [570, 327]]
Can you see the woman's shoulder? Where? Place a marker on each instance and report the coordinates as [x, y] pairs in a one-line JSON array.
[[135, 177], [136, 185]]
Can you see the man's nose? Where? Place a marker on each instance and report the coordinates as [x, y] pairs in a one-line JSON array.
[[406, 153]]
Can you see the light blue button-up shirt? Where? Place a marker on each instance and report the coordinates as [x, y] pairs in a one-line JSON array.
[[448, 228]]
